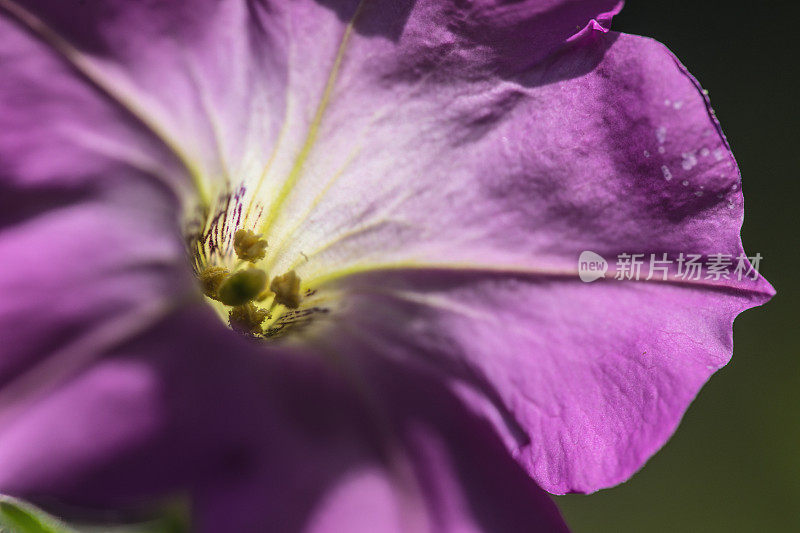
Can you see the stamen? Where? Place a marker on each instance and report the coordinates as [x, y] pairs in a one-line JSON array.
[[247, 319], [287, 289], [242, 287], [210, 280], [243, 294], [249, 246]]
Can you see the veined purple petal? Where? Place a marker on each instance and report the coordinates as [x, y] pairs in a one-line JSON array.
[[205, 76], [492, 183], [88, 227], [585, 382]]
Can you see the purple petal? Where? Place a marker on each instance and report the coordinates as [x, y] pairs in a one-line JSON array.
[[402, 455], [234, 87], [585, 382], [493, 184], [91, 260], [156, 415], [205, 76], [88, 229]]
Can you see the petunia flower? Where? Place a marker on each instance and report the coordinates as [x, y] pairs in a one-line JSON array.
[[313, 263]]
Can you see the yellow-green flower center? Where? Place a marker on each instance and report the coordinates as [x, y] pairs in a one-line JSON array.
[[231, 274]]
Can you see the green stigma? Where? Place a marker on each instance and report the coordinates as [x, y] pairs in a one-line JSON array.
[[242, 287]]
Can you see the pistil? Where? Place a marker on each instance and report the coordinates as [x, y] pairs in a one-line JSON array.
[[242, 287]]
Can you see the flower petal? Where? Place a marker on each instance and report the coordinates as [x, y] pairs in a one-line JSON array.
[[92, 259], [584, 382], [204, 76], [87, 229], [238, 90], [473, 193], [403, 456], [518, 173], [156, 415]]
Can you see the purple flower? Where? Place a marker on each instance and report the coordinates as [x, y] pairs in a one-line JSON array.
[[387, 201]]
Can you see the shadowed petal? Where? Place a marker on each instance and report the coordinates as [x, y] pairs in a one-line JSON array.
[[92, 258], [88, 226], [402, 455], [154, 415]]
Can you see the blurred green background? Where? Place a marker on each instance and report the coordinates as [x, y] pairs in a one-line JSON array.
[[734, 463]]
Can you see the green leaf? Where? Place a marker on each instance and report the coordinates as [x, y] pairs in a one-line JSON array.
[[17, 516]]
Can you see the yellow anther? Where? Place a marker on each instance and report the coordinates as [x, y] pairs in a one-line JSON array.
[[242, 287], [210, 280], [249, 246], [247, 319], [287, 289]]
